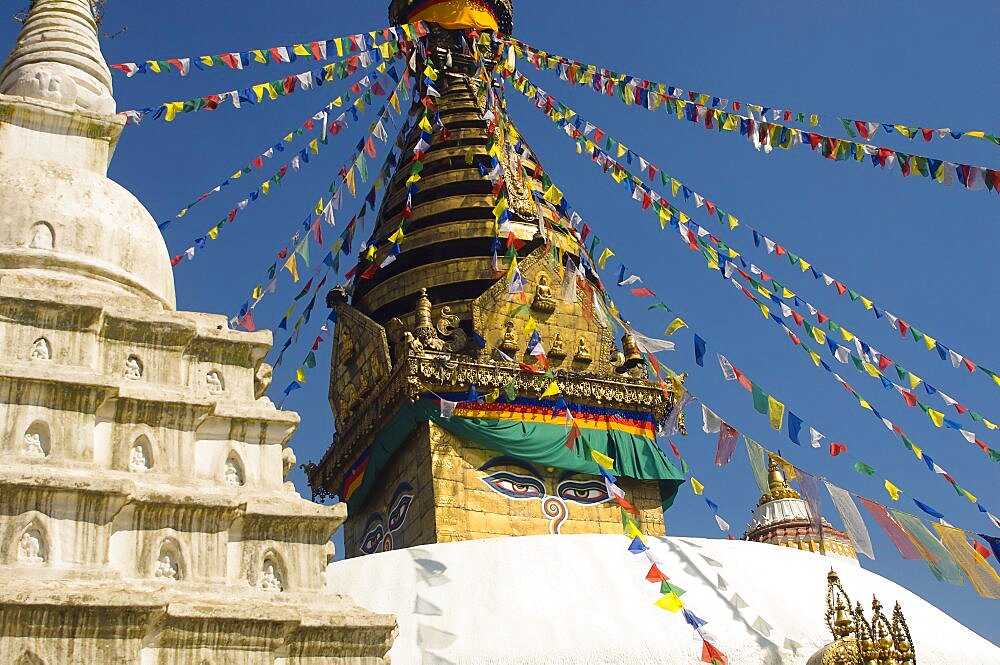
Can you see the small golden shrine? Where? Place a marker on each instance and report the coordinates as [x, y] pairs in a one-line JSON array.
[[782, 518], [858, 641]]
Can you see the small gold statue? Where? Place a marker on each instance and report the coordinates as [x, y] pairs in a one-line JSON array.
[[543, 302], [582, 352], [558, 350], [509, 343]]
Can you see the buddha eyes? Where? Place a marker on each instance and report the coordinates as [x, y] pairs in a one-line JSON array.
[[588, 493], [372, 539], [398, 513], [515, 486]]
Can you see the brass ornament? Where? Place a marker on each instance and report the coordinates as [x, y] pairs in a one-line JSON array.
[[858, 641], [582, 354], [558, 350], [509, 343], [543, 301]]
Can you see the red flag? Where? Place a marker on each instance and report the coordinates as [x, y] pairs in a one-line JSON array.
[[584, 232], [673, 448], [779, 250], [982, 549], [711, 655], [823, 318], [960, 408], [246, 321], [798, 318], [574, 434], [883, 362], [909, 397], [710, 206], [903, 327], [628, 507], [370, 148], [642, 292], [317, 230], [654, 575], [177, 259], [370, 271], [971, 366], [837, 448], [841, 289]]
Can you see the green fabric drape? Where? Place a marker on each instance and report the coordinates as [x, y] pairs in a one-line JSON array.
[[541, 443]]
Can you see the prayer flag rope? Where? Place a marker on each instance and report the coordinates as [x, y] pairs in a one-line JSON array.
[[651, 171], [314, 50], [763, 404], [320, 119], [312, 225], [270, 90], [356, 166], [580, 131], [586, 74], [765, 136]]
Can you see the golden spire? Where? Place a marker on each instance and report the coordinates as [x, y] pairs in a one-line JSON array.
[[777, 486]]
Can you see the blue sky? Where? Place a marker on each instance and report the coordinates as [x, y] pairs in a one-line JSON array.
[[924, 251]]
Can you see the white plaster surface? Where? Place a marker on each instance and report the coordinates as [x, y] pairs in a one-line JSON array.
[[584, 599]]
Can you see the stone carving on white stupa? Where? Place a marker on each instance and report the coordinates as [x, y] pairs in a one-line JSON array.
[[144, 514]]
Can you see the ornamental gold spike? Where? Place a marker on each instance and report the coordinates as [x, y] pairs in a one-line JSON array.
[[858, 641]]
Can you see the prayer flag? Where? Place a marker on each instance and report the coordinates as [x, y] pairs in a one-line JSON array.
[[603, 460], [776, 412], [854, 525], [670, 602], [696, 486], [674, 326]]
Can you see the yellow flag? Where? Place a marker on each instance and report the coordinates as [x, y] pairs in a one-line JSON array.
[[914, 380], [300, 375], [213, 233], [764, 309], [349, 179], [370, 253], [989, 424], [867, 303], [531, 326], [258, 292], [936, 416], [607, 254], [292, 267], [871, 369], [670, 602], [847, 335], [634, 532], [425, 125], [173, 108], [805, 265], [893, 491], [553, 195], [917, 451], [319, 207], [930, 342], [553, 389], [970, 497], [265, 187], [674, 326], [430, 73], [394, 101], [696, 486], [819, 335], [815, 357], [314, 146], [776, 411], [300, 49], [602, 459], [398, 236], [733, 222]]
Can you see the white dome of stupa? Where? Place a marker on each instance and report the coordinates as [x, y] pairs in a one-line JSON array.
[[65, 228], [584, 599]]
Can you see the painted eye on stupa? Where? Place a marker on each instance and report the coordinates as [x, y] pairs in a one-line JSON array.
[[372, 539], [588, 493], [397, 515], [515, 486]]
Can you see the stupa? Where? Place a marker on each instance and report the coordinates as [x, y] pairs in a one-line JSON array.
[[144, 516], [468, 518], [783, 518]]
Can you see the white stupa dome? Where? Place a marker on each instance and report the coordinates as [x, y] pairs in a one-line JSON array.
[[65, 228], [584, 599]]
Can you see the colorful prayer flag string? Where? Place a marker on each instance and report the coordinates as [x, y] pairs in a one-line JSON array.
[[368, 82], [269, 90], [313, 50]]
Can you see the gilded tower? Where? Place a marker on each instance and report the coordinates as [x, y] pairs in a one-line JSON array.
[[782, 518], [442, 374]]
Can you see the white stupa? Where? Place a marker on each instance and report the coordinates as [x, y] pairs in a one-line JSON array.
[[553, 600], [144, 516]]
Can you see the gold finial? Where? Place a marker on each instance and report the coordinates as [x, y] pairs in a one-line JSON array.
[[632, 356], [858, 641], [777, 486], [423, 315]]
